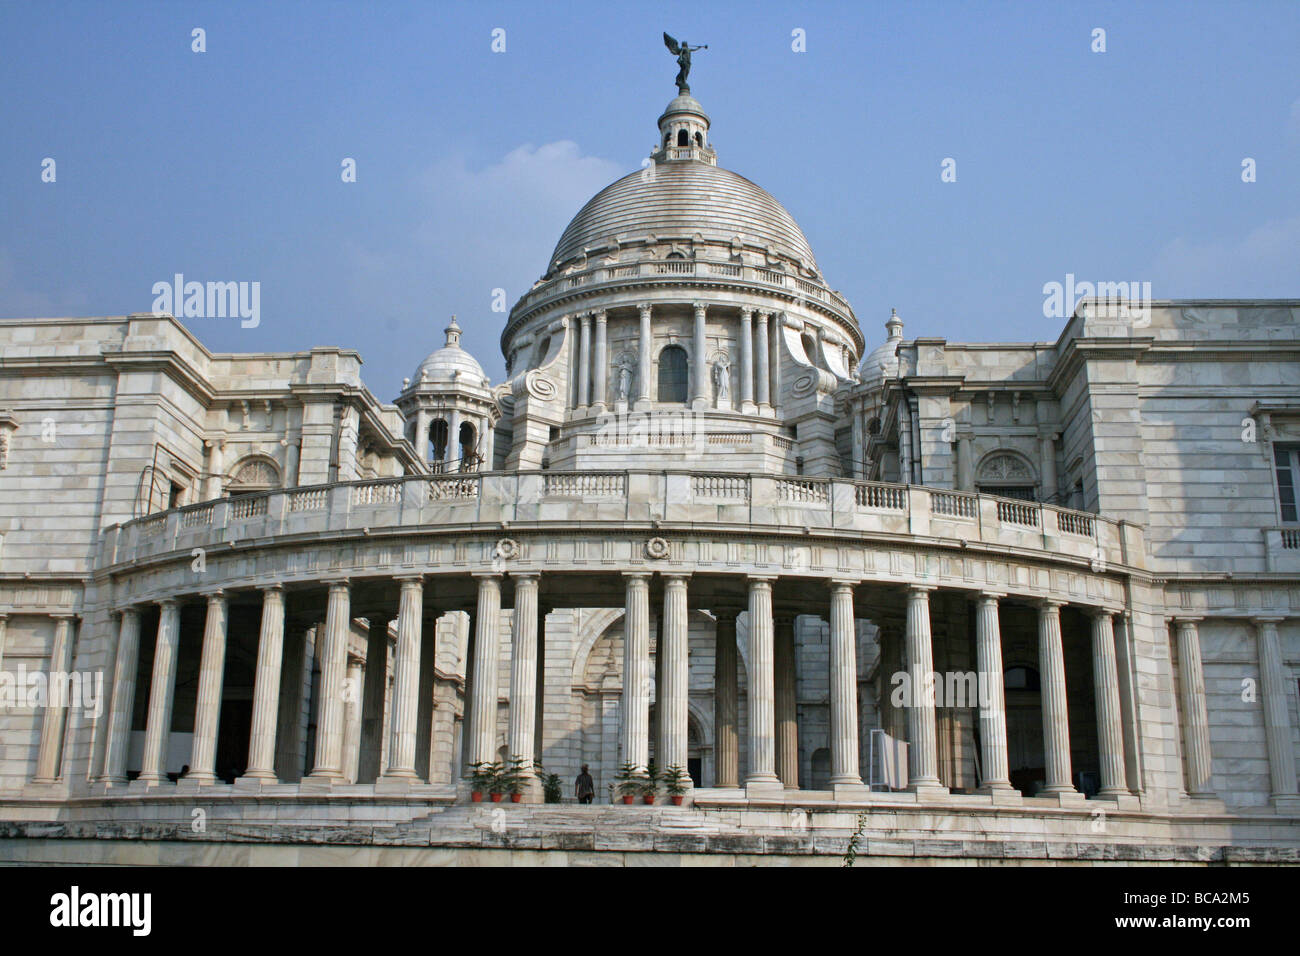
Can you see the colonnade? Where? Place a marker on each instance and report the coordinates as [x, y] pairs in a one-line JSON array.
[[772, 734], [760, 372]]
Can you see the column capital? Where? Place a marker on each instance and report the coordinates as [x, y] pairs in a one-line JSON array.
[[637, 575], [488, 575], [699, 307], [408, 580], [1049, 604], [168, 602], [920, 589], [842, 584], [1100, 611], [1185, 620], [984, 597], [644, 309], [599, 315], [64, 615], [526, 577], [1268, 619], [761, 580], [340, 581], [268, 588], [676, 577], [213, 594]]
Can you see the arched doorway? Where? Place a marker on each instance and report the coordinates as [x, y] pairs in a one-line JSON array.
[[673, 381]]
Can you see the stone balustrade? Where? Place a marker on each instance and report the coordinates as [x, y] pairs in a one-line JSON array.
[[749, 502]]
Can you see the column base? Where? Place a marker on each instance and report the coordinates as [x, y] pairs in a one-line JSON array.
[[748, 408], [765, 788], [925, 791], [256, 781], [397, 782], [143, 784], [1122, 799], [193, 782], [1285, 803], [850, 790], [1204, 803], [1004, 795], [1067, 798], [103, 785], [320, 783]]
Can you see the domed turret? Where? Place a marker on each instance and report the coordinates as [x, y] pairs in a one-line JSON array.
[[882, 362], [451, 363]]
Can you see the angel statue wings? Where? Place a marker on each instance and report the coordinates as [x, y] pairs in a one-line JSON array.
[[683, 53]]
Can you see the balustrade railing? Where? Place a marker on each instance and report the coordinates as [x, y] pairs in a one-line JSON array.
[[652, 495]]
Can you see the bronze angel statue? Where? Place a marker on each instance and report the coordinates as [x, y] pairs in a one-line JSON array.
[[683, 53]]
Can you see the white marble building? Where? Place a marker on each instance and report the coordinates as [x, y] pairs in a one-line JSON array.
[[695, 526]]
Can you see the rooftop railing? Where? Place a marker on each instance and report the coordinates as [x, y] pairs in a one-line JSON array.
[[462, 502]]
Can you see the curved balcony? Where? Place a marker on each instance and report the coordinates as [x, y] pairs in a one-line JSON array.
[[927, 530]]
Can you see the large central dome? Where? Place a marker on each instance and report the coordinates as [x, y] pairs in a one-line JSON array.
[[681, 199]]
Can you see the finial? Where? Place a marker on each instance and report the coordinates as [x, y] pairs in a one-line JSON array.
[[453, 334], [895, 325], [683, 53]]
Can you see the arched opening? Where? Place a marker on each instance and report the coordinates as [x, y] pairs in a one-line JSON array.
[[673, 375], [683, 138], [468, 447], [1007, 474], [253, 475], [438, 440], [699, 139]]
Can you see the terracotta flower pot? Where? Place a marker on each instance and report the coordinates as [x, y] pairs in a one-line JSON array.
[[627, 798], [648, 797], [516, 797], [476, 796], [496, 797], [677, 799]]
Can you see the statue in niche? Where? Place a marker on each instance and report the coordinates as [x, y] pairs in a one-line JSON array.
[[721, 379], [624, 380]]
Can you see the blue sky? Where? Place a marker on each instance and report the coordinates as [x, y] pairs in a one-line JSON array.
[[225, 165]]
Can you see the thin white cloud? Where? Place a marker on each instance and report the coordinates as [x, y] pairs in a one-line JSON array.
[[1263, 264], [17, 301]]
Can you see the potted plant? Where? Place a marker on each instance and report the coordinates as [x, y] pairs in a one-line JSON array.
[[513, 779], [650, 783], [676, 781], [552, 792], [497, 786], [481, 777], [628, 782]]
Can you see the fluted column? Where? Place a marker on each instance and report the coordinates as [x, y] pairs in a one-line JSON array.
[[923, 759], [600, 363], [1056, 715], [726, 736], [1110, 730], [266, 687], [636, 670], [1196, 718], [49, 756], [207, 709], [763, 379], [784, 703], [774, 360], [762, 717], [487, 639], [673, 695], [643, 363], [993, 707], [747, 361], [328, 765], [700, 393], [352, 718], [119, 718], [1277, 722], [158, 724], [523, 672], [584, 361], [406, 680], [844, 688]]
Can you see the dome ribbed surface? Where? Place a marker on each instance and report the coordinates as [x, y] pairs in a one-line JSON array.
[[683, 198], [447, 360]]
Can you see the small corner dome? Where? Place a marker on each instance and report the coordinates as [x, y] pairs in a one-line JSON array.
[[882, 361], [451, 363]]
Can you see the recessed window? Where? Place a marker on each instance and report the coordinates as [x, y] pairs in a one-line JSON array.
[[1286, 461], [672, 374]]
